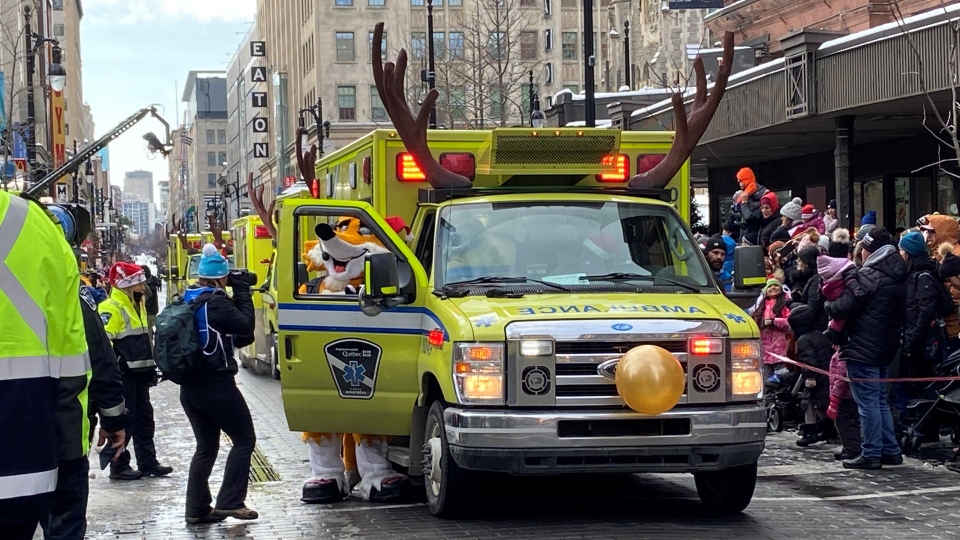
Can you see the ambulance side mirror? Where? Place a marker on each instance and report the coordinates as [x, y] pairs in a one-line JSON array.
[[302, 275], [174, 273], [749, 271], [381, 286]]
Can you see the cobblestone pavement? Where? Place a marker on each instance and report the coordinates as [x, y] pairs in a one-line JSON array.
[[801, 494]]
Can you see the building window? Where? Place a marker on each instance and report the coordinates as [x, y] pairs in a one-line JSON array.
[[58, 30], [456, 45], [377, 110], [383, 45], [211, 181], [495, 108], [418, 44], [347, 102], [548, 39], [343, 3], [221, 158], [528, 3], [221, 136], [455, 3], [211, 136], [418, 2], [528, 45], [376, 3], [58, 5], [211, 159], [572, 87], [569, 45], [496, 44], [548, 72], [569, 4], [439, 45], [345, 49]]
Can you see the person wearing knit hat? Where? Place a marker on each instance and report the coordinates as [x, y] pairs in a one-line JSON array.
[[792, 212], [830, 220], [811, 219], [839, 244], [715, 250], [912, 245], [876, 239], [752, 219], [870, 218], [769, 199], [125, 321], [770, 217], [774, 248], [748, 183], [209, 394], [950, 268]]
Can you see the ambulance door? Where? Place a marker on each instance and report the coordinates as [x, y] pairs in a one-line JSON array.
[[341, 370]]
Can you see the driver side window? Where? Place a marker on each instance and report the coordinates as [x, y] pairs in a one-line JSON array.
[[333, 249]]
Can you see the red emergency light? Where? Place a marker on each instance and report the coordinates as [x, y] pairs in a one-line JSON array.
[[408, 170], [261, 232], [621, 168], [315, 188], [366, 170], [648, 162]]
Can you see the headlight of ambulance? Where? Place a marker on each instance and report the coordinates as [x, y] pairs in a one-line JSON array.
[[746, 363], [478, 373]]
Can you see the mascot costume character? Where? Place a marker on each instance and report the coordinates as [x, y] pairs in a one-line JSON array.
[[341, 461]]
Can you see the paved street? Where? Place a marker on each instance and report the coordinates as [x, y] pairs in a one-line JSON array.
[[802, 494]]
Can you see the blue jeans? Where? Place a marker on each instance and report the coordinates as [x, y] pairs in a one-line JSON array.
[[875, 419]]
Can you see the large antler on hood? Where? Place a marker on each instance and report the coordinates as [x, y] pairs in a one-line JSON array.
[[412, 131], [256, 199], [217, 232], [306, 162], [182, 236], [689, 128]]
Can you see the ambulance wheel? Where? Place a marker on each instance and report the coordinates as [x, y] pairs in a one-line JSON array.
[[727, 491], [275, 356], [448, 486]]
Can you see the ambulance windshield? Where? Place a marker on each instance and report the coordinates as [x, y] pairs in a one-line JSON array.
[[583, 244]]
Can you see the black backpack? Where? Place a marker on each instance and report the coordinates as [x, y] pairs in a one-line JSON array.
[[945, 306], [176, 341]]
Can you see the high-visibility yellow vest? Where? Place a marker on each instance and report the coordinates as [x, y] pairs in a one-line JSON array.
[[127, 329], [44, 365]]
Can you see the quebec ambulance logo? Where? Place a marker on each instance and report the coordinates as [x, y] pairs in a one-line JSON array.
[[353, 366]]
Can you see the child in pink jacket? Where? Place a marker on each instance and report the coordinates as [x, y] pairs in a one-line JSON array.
[[834, 273], [843, 409], [771, 316]]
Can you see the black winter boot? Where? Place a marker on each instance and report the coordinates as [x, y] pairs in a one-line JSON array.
[[809, 434], [827, 431]]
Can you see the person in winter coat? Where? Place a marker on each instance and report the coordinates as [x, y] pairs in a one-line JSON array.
[[771, 317], [810, 294], [770, 211], [867, 224], [153, 286], [835, 275], [750, 201], [791, 217], [830, 220], [715, 250], [874, 309], [950, 275], [209, 393], [731, 227], [843, 410], [938, 229], [811, 219], [813, 349]]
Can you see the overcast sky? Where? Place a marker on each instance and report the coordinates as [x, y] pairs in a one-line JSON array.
[[138, 52]]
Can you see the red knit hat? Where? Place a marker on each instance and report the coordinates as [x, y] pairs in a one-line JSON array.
[[124, 274], [399, 226], [808, 212], [770, 199]]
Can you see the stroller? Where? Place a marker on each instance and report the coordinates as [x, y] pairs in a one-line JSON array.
[[781, 397], [938, 406]]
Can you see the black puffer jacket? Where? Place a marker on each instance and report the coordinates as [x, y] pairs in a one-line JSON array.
[[767, 227], [922, 296], [873, 306], [810, 296], [750, 212], [233, 320], [813, 349]]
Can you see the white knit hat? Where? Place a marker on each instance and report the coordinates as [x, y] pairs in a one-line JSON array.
[[793, 209]]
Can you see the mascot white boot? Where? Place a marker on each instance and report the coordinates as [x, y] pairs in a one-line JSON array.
[[338, 461]]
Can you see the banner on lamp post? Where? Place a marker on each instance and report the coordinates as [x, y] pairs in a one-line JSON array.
[[59, 131]]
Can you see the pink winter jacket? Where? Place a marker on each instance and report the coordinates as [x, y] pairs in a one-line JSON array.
[[816, 222], [839, 388], [774, 338]]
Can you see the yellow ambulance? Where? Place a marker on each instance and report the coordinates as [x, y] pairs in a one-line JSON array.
[[253, 250], [490, 340]]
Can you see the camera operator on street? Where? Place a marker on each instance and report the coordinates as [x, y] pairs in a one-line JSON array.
[[209, 394]]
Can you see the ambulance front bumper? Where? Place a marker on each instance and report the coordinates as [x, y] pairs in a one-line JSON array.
[[554, 442]]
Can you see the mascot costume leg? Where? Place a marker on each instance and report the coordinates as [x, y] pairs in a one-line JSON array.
[[341, 461]]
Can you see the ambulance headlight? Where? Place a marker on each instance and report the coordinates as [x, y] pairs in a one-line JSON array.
[[478, 373], [746, 361]]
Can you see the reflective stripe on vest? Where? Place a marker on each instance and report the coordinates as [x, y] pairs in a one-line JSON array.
[[24, 485], [31, 367], [10, 229], [128, 329]]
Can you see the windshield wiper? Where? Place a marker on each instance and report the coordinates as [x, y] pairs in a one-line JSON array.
[[499, 280], [627, 276]]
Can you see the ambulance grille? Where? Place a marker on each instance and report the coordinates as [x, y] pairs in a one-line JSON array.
[[579, 384], [553, 150]]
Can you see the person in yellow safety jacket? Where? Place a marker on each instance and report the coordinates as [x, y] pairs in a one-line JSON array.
[[126, 326], [44, 364]]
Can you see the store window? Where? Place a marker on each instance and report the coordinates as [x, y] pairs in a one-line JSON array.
[[873, 199], [948, 190]]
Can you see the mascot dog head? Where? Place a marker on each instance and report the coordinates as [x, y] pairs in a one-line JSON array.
[[341, 251]]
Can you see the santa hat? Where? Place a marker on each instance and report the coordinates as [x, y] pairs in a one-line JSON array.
[[808, 212], [124, 274], [399, 226]]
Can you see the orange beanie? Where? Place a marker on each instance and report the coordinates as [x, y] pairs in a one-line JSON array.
[[749, 181]]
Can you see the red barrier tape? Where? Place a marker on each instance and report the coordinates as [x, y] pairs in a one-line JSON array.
[[858, 380]]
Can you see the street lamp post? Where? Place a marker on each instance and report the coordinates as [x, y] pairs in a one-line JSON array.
[[431, 75], [316, 111], [626, 54], [532, 97], [57, 80], [589, 61]]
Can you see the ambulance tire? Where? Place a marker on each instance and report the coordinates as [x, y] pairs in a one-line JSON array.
[[275, 356], [727, 491], [448, 496]]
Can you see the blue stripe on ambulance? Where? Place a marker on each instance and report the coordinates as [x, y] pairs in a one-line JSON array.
[[295, 322]]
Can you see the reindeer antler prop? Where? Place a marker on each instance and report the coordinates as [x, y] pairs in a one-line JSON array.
[[413, 131], [256, 199], [689, 127], [217, 232], [306, 162]]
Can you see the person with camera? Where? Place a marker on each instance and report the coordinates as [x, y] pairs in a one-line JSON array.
[[209, 393]]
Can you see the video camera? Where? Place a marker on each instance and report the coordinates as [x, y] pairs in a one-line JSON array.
[[242, 276]]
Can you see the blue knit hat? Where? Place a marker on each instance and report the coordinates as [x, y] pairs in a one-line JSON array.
[[913, 244], [870, 218], [212, 264]]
